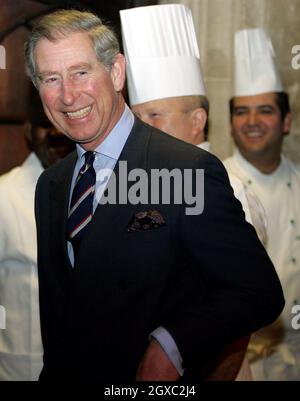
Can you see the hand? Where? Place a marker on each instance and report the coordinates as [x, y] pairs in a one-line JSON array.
[[156, 366], [229, 363]]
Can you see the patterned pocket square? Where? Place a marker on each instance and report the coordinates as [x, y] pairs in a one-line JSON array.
[[145, 221]]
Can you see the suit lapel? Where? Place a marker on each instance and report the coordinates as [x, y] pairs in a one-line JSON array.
[[111, 220], [59, 198], [134, 154]]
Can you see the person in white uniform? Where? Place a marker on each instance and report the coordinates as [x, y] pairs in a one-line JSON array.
[[260, 119], [166, 90], [21, 348]]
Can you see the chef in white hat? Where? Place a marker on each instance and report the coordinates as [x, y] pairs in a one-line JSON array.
[[164, 79], [260, 119], [165, 84]]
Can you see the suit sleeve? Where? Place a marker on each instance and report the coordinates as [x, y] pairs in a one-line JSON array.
[[243, 290]]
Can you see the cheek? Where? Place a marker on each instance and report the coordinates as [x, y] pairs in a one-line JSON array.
[[237, 124], [100, 90], [147, 120], [159, 124], [48, 100], [272, 124], [168, 126], [185, 124]]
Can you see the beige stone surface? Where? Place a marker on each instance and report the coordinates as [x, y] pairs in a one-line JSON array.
[[215, 22]]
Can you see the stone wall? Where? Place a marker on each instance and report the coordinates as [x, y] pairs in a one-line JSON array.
[[215, 22]]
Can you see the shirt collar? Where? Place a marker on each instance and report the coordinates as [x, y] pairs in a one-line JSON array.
[[114, 142], [243, 162], [204, 145]]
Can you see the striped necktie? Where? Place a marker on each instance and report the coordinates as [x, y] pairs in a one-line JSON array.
[[81, 206]]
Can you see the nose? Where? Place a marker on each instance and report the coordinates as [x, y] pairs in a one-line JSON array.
[[253, 118], [68, 93]]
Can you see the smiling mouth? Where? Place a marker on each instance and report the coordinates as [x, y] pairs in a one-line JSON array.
[[253, 134], [79, 113]]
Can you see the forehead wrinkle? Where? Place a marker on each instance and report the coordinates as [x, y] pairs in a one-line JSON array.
[[65, 57]]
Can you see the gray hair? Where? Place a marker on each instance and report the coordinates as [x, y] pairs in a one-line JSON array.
[[60, 24]]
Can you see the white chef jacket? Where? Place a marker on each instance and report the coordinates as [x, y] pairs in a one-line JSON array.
[[277, 347], [254, 212], [20, 342]]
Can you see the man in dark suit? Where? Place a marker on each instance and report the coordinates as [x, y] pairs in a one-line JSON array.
[[133, 290]]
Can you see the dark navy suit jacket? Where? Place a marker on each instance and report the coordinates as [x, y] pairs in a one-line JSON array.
[[205, 278]]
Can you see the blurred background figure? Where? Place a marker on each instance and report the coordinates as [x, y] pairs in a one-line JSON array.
[[261, 118], [45, 141], [20, 343]]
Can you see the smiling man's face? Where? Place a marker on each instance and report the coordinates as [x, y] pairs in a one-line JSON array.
[[80, 96], [257, 125]]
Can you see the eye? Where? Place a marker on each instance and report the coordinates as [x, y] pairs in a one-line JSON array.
[[80, 74], [154, 115], [240, 112], [49, 80], [266, 110]]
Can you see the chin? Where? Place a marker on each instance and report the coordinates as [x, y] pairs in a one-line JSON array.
[[81, 138]]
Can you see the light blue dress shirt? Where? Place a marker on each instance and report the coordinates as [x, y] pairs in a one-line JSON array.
[[106, 157]]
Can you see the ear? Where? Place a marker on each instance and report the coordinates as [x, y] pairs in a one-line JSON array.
[[199, 118], [117, 72], [287, 122]]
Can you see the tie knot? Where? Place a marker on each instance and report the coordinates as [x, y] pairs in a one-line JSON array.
[[89, 157]]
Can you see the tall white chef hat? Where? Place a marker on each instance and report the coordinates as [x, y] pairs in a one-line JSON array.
[[162, 54], [255, 68]]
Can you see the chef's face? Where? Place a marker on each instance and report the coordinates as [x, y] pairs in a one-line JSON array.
[[257, 125]]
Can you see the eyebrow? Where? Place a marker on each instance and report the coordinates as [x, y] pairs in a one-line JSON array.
[[260, 106], [75, 67]]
